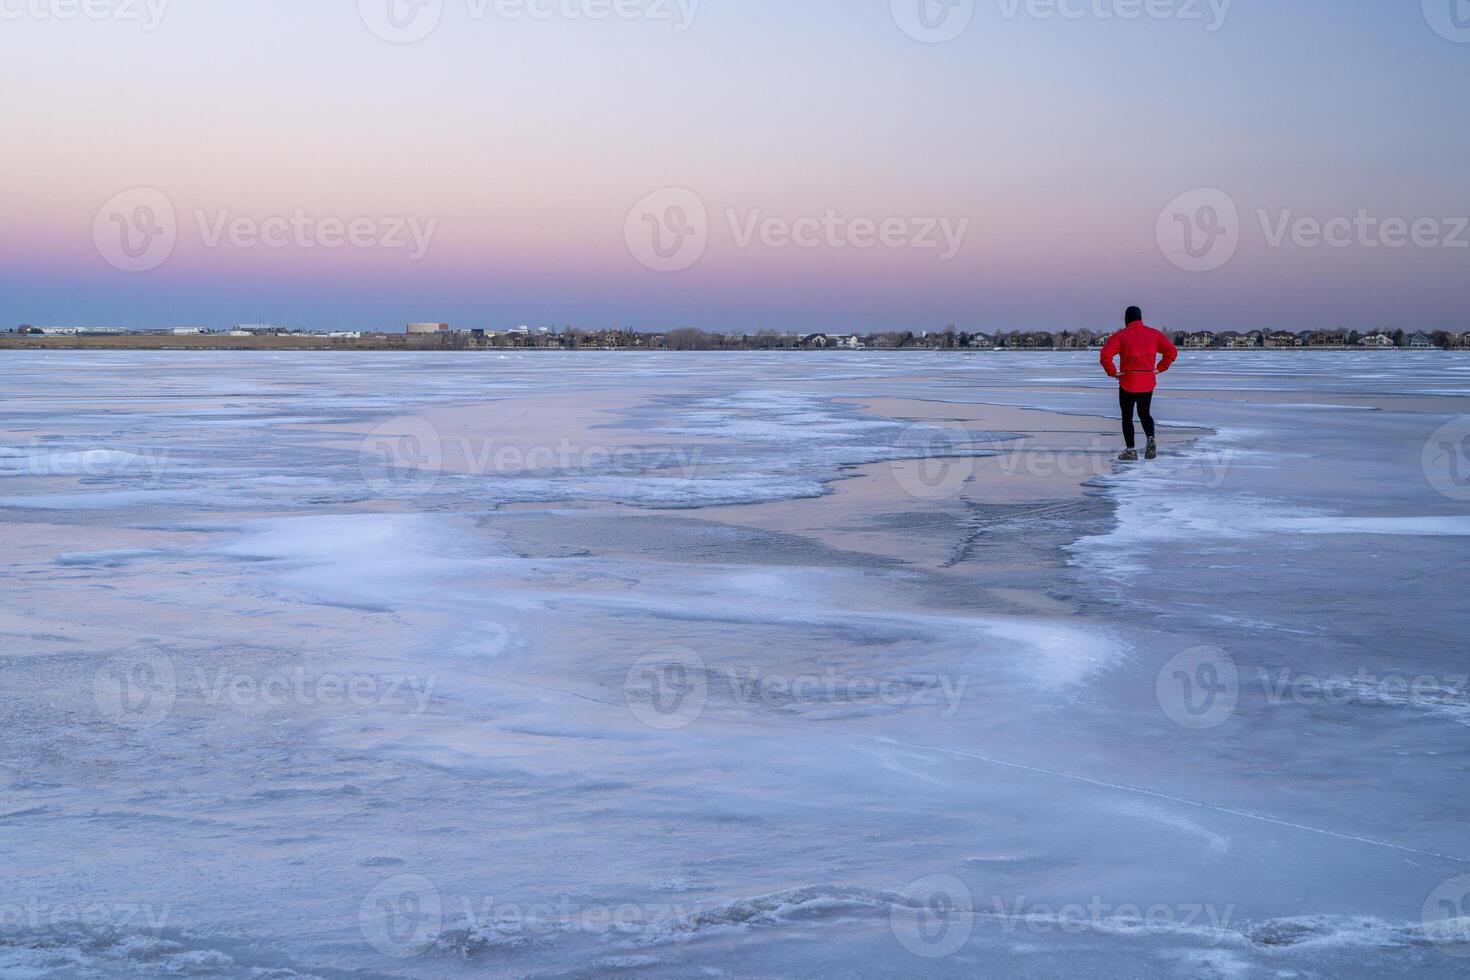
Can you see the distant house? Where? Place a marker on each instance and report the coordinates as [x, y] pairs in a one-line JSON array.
[[815, 341], [77, 331], [1284, 338], [1420, 342], [1037, 341], [1377, 341], [1328, 338], [980, 341], [850, 343], [1233, 340], [1460, 340], [1199, 340]]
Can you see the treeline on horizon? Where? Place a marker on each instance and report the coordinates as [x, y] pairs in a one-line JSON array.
[[695, 339], [691, 338]]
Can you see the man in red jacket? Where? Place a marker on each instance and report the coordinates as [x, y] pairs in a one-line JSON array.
[[1140, 347]]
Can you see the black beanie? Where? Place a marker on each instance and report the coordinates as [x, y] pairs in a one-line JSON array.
[[1133, 315]]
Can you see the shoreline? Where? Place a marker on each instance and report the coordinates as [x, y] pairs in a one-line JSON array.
[[429, 343]]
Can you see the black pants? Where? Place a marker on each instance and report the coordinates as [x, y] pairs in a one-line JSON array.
[[1144, 401]]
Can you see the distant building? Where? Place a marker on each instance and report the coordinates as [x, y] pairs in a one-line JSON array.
[[1377, 341], [421, 328], [79, 331], [1233, 340], [1284, 338], [345, 334], [1328, 338], [815, 341], [1420, 342], [1199, 340]]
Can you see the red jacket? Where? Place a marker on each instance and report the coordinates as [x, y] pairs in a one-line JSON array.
[[1140, 346]]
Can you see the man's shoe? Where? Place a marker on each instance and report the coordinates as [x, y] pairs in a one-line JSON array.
[[1152, 452], [1129, 455]]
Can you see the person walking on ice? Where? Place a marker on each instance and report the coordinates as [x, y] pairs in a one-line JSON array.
[[1140, 348]]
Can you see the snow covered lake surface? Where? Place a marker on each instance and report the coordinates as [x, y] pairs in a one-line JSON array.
[[696, 665]]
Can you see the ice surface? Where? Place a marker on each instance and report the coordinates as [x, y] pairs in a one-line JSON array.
[[434, 666]]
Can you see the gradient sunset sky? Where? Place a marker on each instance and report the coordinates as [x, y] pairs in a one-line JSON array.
[[528, 142]]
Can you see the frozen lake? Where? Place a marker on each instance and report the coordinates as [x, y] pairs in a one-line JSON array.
[[742, 665]]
